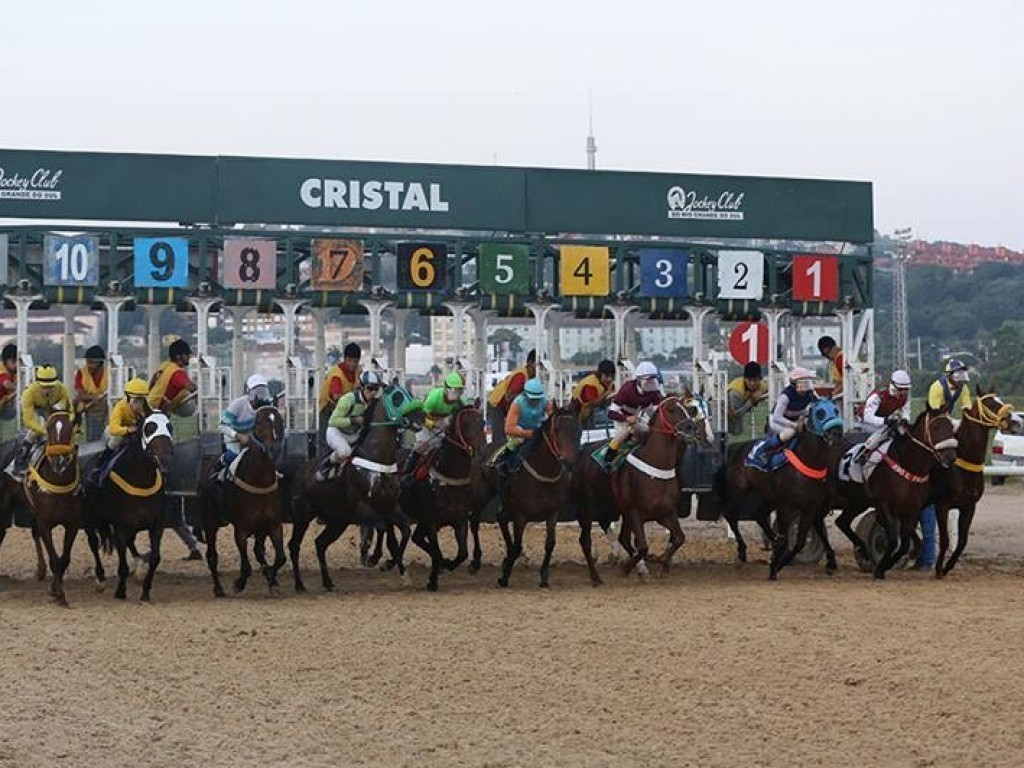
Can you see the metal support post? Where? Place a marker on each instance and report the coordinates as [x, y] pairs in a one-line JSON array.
[[540, 314], [479, 358], [203, 305], [772, 317], [154, 347], [619, 313], [68, 361], [401, 320], [375, 308], [319, 339], [238, 367]]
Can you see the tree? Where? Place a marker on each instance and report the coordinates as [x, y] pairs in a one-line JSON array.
[[506, 336]]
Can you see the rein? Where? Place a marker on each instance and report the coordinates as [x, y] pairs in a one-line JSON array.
[[132, 490], [47, 487], [987, 418]]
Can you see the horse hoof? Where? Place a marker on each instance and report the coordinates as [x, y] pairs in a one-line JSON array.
[[328, 586], [502, 582], [431, 586], [119, 595], [545, 585], [474, 567], [300, 587], [144, 599], [41, 574], [773, 576]]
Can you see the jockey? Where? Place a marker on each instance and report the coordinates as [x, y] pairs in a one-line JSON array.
[[44, 396], [346, 421], [91, 379], [504, 394], [8, 378], [438, 406], [171, 387], [950, 390], [745, 393], [635, 395], [883, 410], [239, 418], [341, 379], [524, 419], [124, 420], [793, 402], [594, 390], [836, 363]]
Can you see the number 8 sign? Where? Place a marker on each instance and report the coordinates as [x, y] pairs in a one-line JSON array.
[[815, 278], [249, 263], [161, 262]]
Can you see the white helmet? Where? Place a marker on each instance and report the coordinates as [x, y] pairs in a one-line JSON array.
[[900, 379], [256, 380], [646, 370], [801, 374]]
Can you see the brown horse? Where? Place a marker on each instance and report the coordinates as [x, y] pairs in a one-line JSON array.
[[12, 494], [898, 488], [646, 486], [592, 484], [52, 489], [365, 491], [132, 498], [538, 489], [445, 496], [988, 412], [250, 500]]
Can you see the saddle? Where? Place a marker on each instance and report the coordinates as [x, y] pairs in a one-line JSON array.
[[852, 471], [600, 456], [766, 459], [34, 460]]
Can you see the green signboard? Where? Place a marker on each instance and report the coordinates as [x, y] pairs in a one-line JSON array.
[[684, 205], [504, 268], [339, 193], [108, 187]]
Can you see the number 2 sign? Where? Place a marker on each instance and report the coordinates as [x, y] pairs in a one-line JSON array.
[[740, 275], [815, 278], [249, 263], [161, 262]]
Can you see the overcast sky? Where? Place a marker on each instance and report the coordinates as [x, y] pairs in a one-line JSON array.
[[922, 98]]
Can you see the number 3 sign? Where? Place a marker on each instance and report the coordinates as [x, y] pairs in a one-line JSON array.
[[249, 263], [662, 273]]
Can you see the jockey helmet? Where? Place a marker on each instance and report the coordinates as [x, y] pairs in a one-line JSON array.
[[646, 370], [956, 370], [256, 380], [369, 379], [352, 351], [136, 388], [258, 389], [179, 347], [454, 381], [10, 352], [606, 367], [96, 353], [900, 382], [802, 379], [534, 389], [46, 375]]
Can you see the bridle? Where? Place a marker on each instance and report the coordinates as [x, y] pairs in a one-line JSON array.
[[550, 435], [686, 427], [455, 435], [931, 446], [261, 445], [988, 417]]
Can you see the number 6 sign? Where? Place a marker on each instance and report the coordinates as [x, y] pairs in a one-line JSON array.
[[249, 263], [815, 278]]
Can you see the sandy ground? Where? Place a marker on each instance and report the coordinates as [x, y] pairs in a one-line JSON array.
[[709, 666]]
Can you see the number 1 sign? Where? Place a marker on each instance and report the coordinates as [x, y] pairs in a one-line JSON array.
[[740, 275], [748, 342], [815, 278], [249, 263]]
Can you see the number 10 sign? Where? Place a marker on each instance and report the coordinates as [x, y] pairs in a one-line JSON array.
[[71, 260]]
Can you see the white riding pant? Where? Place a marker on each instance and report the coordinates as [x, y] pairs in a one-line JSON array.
[[425, 437], [113, 441], [622, 432], [339, 444]]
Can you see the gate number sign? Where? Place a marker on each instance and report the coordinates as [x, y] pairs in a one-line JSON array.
[[749, 342], [422, 266], [161, 262], [71, 260], [337, 265], [585, 270], [815, 278], [663, 272], [740, 275], [504, 269], [249, 263]]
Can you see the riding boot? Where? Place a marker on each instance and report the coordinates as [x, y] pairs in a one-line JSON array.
[[21, 458], [98, 474]]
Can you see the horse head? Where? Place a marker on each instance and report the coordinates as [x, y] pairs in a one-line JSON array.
[[60, 440], [268, 431], [823, 420], [466, 430], [990, 411], [561, 432], [157, 440], [680, 417], [935, 432]]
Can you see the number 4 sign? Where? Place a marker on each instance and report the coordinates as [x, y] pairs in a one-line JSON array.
[[249, 263], [815, 278], [585, 270]]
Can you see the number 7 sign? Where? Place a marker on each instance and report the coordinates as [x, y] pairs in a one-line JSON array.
[[337, 265], [815, 278]]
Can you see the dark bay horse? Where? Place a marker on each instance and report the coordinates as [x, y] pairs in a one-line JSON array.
[[538, 489], [250, 500], [365, 491], [132, 498], [898, 488], [987, 413], [592, 484], [446, 497], [646, 485], [12, 493], [52, 488]]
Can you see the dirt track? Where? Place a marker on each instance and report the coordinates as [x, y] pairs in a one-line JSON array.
[[710, 666]]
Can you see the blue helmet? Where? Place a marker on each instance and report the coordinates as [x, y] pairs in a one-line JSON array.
[[534, 389]]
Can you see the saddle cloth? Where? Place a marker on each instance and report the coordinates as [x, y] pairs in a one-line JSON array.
[[850, 471], [760, 459], [601, 453]]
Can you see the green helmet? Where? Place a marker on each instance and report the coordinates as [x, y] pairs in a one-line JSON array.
[[454, 381]]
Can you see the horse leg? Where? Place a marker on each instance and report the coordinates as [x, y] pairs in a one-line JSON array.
[[513, 548], [40, 560], [330, 534], [892, 542], [803, 528], [676, 537], [245, 567], [549, 548], [210, 531], [610, 534], [963, 530], [121, 539], [780, 548], [587, 545], [70, 532], [639, 558], [732, 518], [270, 571], [474, 528], [845, 524], [434, 550], [461, 540], [300, 523], [259, 550], [831, 566], [156, 534], [45, 534], [94, 546], [942, 523], [396, 549]]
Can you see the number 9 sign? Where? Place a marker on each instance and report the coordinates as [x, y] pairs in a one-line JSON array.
[[504, 269], [161, 262], [422, 266], [663, 273], [249, 263]]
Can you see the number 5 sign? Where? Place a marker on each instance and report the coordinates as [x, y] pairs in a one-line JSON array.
[[748, 342], [249, 263], [815, 278], [504, 268]]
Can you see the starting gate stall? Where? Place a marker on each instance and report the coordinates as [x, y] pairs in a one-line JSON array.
[[308, 240]]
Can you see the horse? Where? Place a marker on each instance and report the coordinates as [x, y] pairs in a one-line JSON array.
[[798, 490], [365, 490], [987, 413], [132, 498], [445, 496], [592, 484], [899, 486], [250, 499], [12, 493], [538, 489], [52, 490]]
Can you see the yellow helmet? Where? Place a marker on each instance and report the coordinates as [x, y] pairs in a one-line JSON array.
[[137, 388], [46, 375]]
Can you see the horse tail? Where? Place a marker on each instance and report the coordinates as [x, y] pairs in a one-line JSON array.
[[719, 486]]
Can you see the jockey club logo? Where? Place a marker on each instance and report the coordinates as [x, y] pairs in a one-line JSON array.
[[685, 204], [40, 184]]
